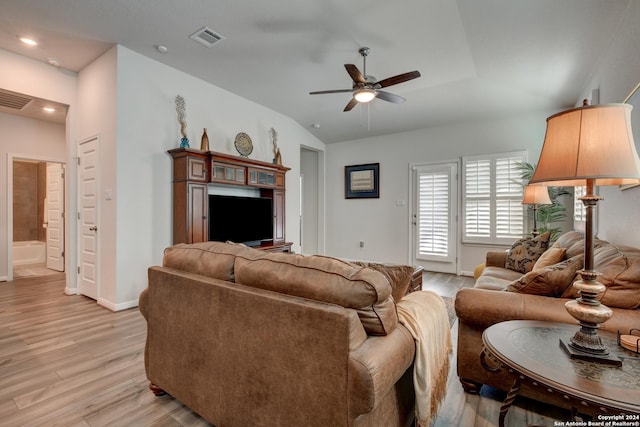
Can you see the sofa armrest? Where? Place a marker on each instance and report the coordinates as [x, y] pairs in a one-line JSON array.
[[376, 366], [496, 259], [481, 308], [143, 303]]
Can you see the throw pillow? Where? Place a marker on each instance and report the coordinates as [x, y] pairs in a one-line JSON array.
[[525, 252], [551, 256], [548, 281], [399, 276]]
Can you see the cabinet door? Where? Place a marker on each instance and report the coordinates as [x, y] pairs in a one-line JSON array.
[[278, 216], [197, 169], [198, 213]]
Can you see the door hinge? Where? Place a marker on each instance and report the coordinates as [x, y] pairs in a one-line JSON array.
[[78, 269], [78, 161], [78, 215], [62, 254], [62, 175], [62, 215]]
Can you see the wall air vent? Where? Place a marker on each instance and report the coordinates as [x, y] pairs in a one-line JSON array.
[[13, 100], [206, 37]]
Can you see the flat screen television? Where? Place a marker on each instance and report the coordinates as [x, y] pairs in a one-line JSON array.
[[247, 220]]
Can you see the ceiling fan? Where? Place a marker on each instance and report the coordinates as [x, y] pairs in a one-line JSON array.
[[365, 88]]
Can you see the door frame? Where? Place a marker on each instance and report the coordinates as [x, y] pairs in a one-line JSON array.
[[11, 157]]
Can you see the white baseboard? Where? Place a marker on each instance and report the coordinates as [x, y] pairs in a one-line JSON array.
[[466, 273], [117, 307], [4, 278], [70, 291]]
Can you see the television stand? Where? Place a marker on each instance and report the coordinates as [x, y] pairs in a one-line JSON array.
[[194, 171]]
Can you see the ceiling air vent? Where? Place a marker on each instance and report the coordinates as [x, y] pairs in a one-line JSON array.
[[206, 37], [13, 100]]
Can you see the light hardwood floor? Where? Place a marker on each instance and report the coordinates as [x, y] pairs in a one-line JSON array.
[[66, 361]]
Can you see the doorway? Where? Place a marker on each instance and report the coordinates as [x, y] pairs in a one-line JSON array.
[[311, 201], [433, 210], [36, 197]]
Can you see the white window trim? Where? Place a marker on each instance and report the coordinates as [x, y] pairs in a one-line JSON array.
[[491, 239]]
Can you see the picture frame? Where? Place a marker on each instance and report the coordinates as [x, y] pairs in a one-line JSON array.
[[362, 181]]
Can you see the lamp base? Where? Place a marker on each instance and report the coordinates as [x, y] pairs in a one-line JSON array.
[[575, 353]]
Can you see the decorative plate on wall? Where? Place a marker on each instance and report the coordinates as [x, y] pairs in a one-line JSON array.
[[243, 144]]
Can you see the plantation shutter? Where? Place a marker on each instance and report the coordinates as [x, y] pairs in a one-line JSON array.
[[433, 214], [579, 211], [492, 199], [478, 198], [509, 212]]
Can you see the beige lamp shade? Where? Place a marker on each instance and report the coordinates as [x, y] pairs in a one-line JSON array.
[[590, 142], [536, 195]]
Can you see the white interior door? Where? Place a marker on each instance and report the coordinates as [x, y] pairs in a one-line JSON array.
[[54, 217], [434, 213], [88, 175]]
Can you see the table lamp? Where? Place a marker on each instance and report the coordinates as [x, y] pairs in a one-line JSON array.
[[589, 146], [535, 195]]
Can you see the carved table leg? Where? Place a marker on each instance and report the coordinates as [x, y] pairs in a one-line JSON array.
[[506, 404], [157, 390]]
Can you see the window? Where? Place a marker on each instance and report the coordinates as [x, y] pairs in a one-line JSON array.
[[492, 199], [579, 211], [435, 234]]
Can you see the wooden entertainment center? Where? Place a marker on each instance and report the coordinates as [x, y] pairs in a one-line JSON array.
[[194, 171]]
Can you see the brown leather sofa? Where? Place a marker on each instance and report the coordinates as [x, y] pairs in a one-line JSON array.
[[501, 294], [243, 337]]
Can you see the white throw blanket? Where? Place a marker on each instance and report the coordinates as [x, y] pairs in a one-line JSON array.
[[424, 314]]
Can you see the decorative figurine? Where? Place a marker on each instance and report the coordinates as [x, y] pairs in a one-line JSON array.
[[204, 144], [184, 142], [277, 158]]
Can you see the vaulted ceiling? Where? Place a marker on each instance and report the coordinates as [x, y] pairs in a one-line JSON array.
[[477, 58]]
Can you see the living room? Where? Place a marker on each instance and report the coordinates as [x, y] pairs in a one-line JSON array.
[[126, 99]]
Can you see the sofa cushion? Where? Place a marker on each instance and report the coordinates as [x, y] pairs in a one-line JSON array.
[[323, 279], [211, 259], [496, 278], [525, 252], [549, 257], [548, 281], [399, 276]]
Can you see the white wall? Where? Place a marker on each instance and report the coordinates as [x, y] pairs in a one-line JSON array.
[[147, 127], [24, 75], [617, 75], [381, 223], [97, 92], [24, 138]]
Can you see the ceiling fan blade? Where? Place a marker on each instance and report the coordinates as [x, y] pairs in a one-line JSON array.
[[400, 78], [350, 105], [390, 97], [321, 92], [355, 74]]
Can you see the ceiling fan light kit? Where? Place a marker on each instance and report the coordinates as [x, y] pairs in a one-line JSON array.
[[365, 87], [364, 95]]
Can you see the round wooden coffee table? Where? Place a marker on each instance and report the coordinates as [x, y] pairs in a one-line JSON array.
[[531, 351]]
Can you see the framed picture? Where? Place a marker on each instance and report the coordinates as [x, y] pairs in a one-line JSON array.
[[362, 181]]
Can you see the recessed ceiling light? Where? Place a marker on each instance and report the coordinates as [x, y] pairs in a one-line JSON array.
[[161, 48], [54, 61], [316, 125], [29, 41], [49, 109]]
